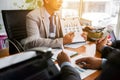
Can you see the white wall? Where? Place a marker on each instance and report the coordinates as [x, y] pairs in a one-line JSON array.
[[8, 5]]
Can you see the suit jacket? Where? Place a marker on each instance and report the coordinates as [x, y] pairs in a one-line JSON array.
[[109, 49], [37, 30], [69, 73], [111, 70]]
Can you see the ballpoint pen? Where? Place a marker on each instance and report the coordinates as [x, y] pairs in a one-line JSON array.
[[62, 47]]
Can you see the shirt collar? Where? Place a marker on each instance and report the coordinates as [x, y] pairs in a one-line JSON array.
[[46, 12]]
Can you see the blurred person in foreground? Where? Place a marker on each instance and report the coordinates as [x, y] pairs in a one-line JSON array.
[[110, 65], [67, 71]]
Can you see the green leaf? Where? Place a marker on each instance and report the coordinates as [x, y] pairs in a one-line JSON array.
[[28, 1]]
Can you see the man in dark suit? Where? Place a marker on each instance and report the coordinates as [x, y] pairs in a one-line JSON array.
[[106, 46], [67, 71], [110, 65]]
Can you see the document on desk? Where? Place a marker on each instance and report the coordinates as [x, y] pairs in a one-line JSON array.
[[89, 51], [83, 72]]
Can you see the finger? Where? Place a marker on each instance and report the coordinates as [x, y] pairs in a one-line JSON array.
[[80, 60], [86, 66], [81, 66], [100, 40], [71, 33], [106, 38], [59, 55]]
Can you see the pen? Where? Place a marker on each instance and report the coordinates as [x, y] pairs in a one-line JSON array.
[[62, 48]]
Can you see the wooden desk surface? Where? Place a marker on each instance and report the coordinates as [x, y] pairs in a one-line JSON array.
[[82, 49]]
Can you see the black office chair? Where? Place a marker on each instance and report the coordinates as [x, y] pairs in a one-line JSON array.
[[15, 26]]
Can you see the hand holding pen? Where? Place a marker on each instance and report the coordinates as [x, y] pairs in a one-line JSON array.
[[63, 57]]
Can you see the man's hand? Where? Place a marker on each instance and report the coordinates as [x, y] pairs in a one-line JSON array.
[[109, 42], [68, 38], [84, 35], [101, 43], [89, 62], [62, 57]]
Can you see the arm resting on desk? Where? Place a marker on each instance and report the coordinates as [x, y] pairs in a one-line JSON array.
[[69, 73]]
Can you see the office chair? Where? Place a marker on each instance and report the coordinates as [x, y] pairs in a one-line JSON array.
[[15, 26]]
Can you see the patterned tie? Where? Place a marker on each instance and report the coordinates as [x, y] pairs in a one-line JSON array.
[[52, 27]]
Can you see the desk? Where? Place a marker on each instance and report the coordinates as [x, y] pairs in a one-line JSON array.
[[81, 49]]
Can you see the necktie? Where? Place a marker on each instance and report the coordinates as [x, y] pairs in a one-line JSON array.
[[52, 27]]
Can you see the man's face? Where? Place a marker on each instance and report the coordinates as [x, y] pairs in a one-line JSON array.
[[54, 4]]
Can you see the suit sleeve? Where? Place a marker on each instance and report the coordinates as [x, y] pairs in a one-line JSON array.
[[107, 50], [69, 73], [116, 44], [111, 69]]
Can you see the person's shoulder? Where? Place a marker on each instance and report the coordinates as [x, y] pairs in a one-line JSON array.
[[114, 58], [35, 12]]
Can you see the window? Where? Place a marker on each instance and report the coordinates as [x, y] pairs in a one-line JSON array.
[[102, 13], [70, 8]]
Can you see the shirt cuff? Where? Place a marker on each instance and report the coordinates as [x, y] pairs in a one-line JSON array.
[[65, 64], [103, 62]]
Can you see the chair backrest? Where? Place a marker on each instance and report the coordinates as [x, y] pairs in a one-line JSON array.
[[15, 26]]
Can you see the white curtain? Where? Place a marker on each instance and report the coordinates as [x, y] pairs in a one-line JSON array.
[[118, 26]]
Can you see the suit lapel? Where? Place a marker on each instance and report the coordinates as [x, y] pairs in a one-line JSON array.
[[57, 26], [44, 21]]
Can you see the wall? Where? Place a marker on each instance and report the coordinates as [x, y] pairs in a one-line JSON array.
[[5, 5], [17, 4]]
